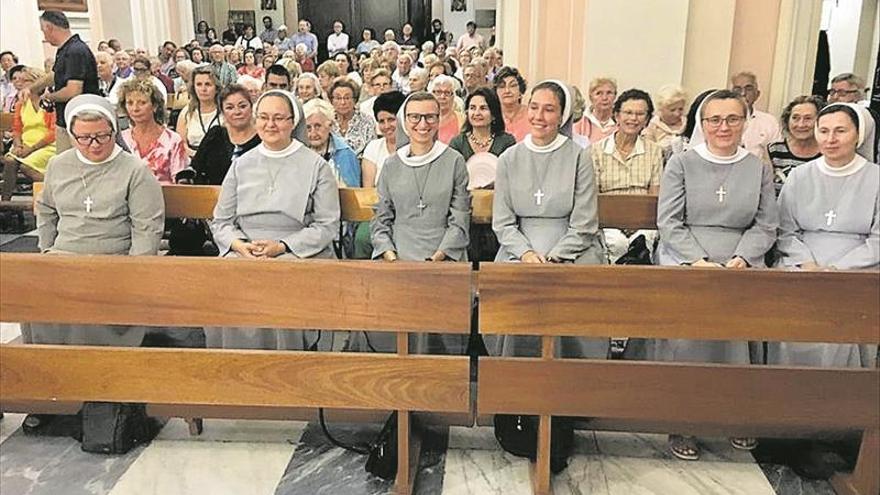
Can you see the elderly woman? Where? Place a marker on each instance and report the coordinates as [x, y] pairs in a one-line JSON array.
[[444, 89], [418, 79], [510, 86], [716, 209], [278, 200], [319, 118], [33, 135], [302, 58], [368, 41], [669, 122], [96, 199], [799, 144], [543, 217], [423, 211], [829, 219], [627, 163], [148, 139], [598, 122], [202, 112], [253, 85], [355, 127], [327, 72], [307, 87]]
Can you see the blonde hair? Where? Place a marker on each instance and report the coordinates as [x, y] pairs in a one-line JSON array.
[[147, 88], [669, 95], [319, 106], [602, 80], [579, 104], [329, 68]]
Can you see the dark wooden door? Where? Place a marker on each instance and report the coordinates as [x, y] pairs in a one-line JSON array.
[[359, 14]]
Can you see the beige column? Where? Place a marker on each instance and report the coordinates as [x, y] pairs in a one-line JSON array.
[[755, 28], [794, 58], [708, 44]]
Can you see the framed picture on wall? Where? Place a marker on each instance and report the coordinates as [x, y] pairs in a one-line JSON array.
[[240, 18], [63, 5], [268, 4], [459, 5]]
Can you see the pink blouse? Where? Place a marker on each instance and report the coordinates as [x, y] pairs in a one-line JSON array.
[[449, 129], [166, 157], [519, 126]]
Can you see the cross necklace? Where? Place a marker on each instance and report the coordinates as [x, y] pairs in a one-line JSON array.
[[89, 202], [421, 187], [721, 192], [272, 176], [539, 194], [831, 214]]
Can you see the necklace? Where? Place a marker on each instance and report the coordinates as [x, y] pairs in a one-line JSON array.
[[272, 176], [482, 144], [539, 194], [421, 188], [88, 202]]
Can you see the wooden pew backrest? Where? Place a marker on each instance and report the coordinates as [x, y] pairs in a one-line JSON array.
[[6, 119]]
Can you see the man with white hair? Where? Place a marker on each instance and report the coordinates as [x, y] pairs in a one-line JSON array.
[[762, 128], [123, 65], [401, 74]]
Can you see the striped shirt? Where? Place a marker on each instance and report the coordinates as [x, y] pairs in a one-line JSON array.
[[634, 174], [784, 161]]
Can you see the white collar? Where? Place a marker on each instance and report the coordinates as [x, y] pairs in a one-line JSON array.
[[850, 168], [610, 146], [553, 146], [113, 154], [602, 125], [289, 150], [702, 149], [418, 161]]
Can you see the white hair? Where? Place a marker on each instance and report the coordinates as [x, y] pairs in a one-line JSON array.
[[668, 95], [444, 80], [391, 45], [428, 46], [249, 82], [318, 106]]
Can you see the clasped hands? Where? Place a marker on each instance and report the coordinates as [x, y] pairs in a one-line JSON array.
[[392, 256], [259, 249], [735, 262], [535, 257]]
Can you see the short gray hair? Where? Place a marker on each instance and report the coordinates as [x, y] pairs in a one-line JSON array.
[[851, 78], [319, 106]]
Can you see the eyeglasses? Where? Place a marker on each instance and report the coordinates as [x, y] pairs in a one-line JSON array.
[[510, 85], [430, 118], [275, 119], [744, 89], [843, 92], [141, 69], [87, 140], [730, 120], [630, 113], [442, 92]]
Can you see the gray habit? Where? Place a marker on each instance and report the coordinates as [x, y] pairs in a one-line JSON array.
[[415, 234], [291, 197], [848, 239], [114, 208], [713, 211], [564, 226]]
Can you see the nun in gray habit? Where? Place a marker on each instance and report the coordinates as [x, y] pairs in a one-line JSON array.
[[545, 209], [278, 200], [424, 207]]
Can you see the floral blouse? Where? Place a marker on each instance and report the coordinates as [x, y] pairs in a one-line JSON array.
[[165, 157]]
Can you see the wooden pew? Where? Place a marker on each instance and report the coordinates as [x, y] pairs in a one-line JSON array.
[[665, 302], [176, 291], [625, 212], [6, 119], [615, 211]]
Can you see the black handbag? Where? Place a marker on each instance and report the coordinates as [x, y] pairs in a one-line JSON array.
[[637, 254], [113, 428], [518, 434], [382, 459]]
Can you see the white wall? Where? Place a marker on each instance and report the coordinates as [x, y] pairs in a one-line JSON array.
[[20, 31], [841, 19], [649, 33]]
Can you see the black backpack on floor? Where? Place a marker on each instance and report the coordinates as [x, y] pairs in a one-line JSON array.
[[518, 434], [113, 428]]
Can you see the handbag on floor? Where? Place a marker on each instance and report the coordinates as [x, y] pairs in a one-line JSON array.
[[518, 434], [113, 428]]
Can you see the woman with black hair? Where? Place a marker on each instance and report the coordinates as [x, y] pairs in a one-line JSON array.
[[483, 130]]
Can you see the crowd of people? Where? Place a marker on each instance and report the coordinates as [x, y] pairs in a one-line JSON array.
[[427, 123]]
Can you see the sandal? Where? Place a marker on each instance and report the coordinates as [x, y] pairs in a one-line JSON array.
[[684, 448], [744, 443]]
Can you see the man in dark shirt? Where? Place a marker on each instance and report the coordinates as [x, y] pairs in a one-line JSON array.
[[75, 70], [230, 35]]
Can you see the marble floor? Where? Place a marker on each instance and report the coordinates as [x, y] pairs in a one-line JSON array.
[[293, 458]]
